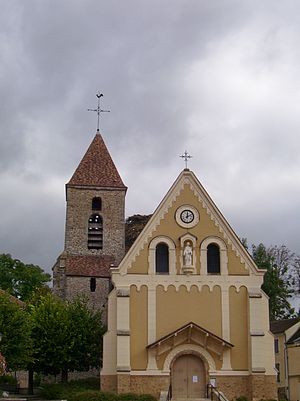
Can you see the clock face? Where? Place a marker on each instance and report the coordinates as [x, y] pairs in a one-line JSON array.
[[187, 216]]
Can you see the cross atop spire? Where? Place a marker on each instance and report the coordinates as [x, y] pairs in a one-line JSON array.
[[186, 157], [98, 109]]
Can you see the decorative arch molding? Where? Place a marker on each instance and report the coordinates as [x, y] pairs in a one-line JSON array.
[[172, 254], [223, 254], [189, 286], [189, 349], [238, 288]]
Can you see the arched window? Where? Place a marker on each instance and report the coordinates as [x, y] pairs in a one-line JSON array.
[[213, 259], [96, 203], [93, 284], [95, 232], [162, 258]]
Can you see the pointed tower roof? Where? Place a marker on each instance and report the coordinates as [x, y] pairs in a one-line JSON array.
[[97, 168]]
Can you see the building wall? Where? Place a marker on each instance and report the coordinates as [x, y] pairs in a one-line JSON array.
[[79, 209], [205, 228], [150, 306], [80, 286], [294, 371], [239, 328]]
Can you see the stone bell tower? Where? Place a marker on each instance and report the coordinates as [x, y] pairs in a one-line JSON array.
[[95, 228]]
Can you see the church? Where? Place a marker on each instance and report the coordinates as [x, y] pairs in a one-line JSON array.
[[186, 315]]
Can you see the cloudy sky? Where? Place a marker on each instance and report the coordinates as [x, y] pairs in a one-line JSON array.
[[219, 79]]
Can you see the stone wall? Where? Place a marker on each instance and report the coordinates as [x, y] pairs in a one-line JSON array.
[[234, 386], [255, 387], [96, 300], [149, 384], [109, 383], [263, 387], [79, 210]]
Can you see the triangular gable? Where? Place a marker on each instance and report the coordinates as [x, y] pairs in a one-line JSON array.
[[187, 177], [191, 333]]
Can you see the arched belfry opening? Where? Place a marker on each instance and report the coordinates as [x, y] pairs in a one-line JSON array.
[[95, 231]]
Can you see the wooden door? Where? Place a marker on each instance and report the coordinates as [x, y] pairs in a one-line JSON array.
[[188, 377]]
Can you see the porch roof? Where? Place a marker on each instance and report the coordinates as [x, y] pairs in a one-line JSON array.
[[191, 333]]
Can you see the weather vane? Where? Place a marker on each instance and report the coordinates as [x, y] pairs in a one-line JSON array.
[[186, 157], [98, 109]]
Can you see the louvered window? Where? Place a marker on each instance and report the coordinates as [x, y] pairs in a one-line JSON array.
[[95, 232]]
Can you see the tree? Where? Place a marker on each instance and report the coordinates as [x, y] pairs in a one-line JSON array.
[[66, 336], [19, 279], [15, 329], [295, 275], [276, 261], [133, 227]]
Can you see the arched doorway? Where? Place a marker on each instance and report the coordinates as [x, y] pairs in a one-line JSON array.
[[188, 377]]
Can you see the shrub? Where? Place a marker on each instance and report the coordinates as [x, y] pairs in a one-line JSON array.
[[68, 390], [242, 398], [92, 395], [135, 397], [8, 379], [52, 391]]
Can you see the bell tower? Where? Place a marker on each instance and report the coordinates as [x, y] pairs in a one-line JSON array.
[[95, 227]]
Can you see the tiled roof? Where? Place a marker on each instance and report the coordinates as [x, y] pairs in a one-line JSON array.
[[97, 167], [280, 326], [89, 266], [295, 338], [12, 298]]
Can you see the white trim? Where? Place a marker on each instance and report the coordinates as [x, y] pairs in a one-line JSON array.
[[213, 373], [152, 365], [172, 255], [187, 177], [148, 373], [152, 281], [232, 373]]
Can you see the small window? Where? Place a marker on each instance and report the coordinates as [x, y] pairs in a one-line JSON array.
[[95, 232], [277, 365], [93, 284], [162, 258], [276, 348], [213, 259], [96, 203]]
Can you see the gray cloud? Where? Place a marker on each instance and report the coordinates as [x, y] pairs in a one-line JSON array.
[[219, 79]]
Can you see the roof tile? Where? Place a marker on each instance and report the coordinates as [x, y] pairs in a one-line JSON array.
[[89, 266], [280, 326], [97, 168]]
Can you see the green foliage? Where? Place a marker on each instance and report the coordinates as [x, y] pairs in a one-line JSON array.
[[90, 395], [8, 379], [102, 396], [15, 327], [66, 336], [86, 390], [19, 279], [133, 227], [68, 390], [276, 262], [135, 397], [242, 398]]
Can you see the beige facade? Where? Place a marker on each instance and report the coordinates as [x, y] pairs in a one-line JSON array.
[[287, 357], [187, 309]]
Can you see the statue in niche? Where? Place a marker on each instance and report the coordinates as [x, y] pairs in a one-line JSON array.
[[188, 254]]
